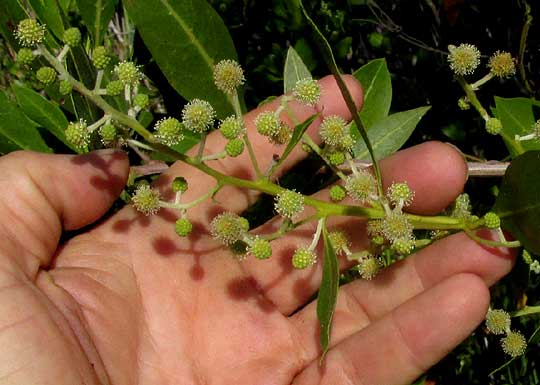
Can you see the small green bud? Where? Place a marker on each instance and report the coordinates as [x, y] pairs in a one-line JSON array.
[[77, 134], [46, 75], [514, 344], [179, 184], [493, 126], [527, 258], [115, 88], [29, 32], [244, 223], [535, 266], [65, 87], [289, 203], [497, 321], [375, 39], [228, 76], [303, 258], [463, 103], [100, 58], [146, 199], [307, 91], [337, 193], [231, 127], [198, 116], [234, 147], [128, 73], [168, 131], [378, 240], [267, 123], [336, 158], [183, 227], [72, 37], [463, 59], [25, 56], [502, 65], [403, 246], [339, 241], [260, 248], [400, 194], [228, 228], [107, 133], [492, 220], [369, 267], [361, 186], [462, 206], [142, 101]]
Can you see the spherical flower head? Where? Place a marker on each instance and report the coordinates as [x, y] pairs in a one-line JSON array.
[[198, 116], [502, 65], [100, 58], [339, 241], [396, 226], [283, 135], [369, 267], [493, 126], [25, 56], [303, 258], [336, 158], [361, 186], [72, 37], [234, 147], [463, 59], [375, 228], [46, 75], [141, 101], [403, 246], [65, 87], [375, 39], [107, 133], [289, 203], [492, 220], [231, 127], [29, 32], [114, 88], [260, 248], [400, 194], [78, 135], [228, 228], [228, 76], [267, 123], [497, 321], [183, 227], [146, 199], [332, 130], [168, 131], [463, 104], [179, 184], [337, 193], [128, 73], [307, 91], [514, 344]]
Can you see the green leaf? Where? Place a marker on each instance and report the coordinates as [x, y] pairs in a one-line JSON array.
[[294, 70], [42, 111], [518, 202], [388, 135], [186, 38], [48, 12], [516, 116], [327, 298], [17, 129], [96, 15], [375, 80]]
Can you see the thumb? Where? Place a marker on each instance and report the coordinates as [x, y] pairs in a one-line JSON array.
[[43, 194]]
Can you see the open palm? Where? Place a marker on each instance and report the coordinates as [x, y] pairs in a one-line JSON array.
[[129, 302]]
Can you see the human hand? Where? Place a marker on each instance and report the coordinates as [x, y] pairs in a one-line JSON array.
[[128, 301]]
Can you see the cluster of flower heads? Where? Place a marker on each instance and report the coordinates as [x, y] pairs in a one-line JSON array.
[[498, 322]]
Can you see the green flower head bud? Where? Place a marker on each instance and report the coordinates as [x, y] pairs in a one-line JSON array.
[[497, 321], [25, 56], [128, 73], [336, 158], [303, 258], [493, 126], [397, 226], [375, 39], [260, 248], [337, 193], [403, 246], [46, 75], [527, 258], [514, 344], [502, 65], [228, 76], [115, 88], [183, 227], [78, 135], [141, 101], [369, 267], [231, 127], [463, 59], [361, 186], [107, 133], [65, 87], [339, 241], [492, 220], [234, 147], [146, 200], [463, 103], [198, 116], [400, 194], [267, 123], [462, 206], [307, 91], [289, 203], [168, 131], [179, 184], [29, 32], [228, 228], [100, 58], [72, 37]]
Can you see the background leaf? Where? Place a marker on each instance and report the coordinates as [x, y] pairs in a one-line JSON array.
[[294, 70], [518, 202], [517, 118], [96, 15], [17, 130], [186, 38], [375, 80], [11, 13], [48, 13], [388, 135]]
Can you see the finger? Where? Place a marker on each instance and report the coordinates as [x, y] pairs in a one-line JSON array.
[[435, 189], [42, 194], [412, 338], [362, 302]]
